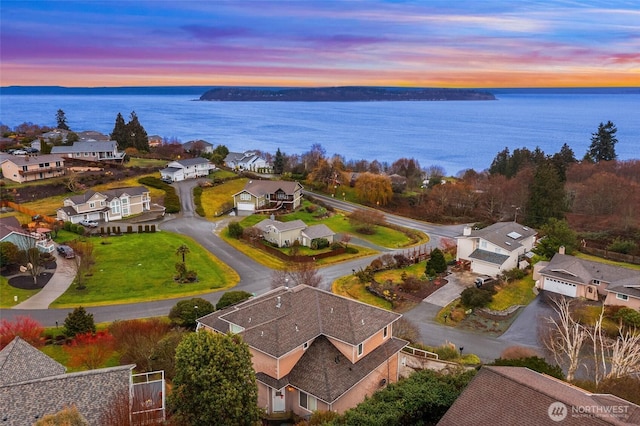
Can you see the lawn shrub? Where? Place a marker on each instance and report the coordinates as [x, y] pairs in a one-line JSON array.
[[235, 230], [197, 200], [186, 312], [319, 243], [231, 298], [534, 363], [628, 316], [129, 229], [623, 246], [139, 229], [473, 297], [153, 228]]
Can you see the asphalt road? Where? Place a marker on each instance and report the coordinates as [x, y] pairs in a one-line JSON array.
[[256, 278]]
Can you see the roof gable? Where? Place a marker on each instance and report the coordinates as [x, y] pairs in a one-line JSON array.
[[281, 320], [19, 362], [585, 271], [265, 187]]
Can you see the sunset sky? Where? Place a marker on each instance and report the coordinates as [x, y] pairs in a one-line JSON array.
[[472, 43]]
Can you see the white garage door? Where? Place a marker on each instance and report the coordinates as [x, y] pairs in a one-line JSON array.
[[484, 268], [560, 287]]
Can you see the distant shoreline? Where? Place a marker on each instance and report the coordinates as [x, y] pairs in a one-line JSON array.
[[197, 91]]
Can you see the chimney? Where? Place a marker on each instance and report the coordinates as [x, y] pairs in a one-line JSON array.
[[466, 231], [561, 249]]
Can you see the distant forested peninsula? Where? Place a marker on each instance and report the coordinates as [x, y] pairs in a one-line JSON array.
[[344, 94]]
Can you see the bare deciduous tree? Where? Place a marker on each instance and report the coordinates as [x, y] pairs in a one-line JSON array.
[[565, 337], [30, 257], [83, 261], [625, 354], [295, 274]]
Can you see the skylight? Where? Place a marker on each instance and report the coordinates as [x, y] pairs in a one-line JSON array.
[[514, 235]]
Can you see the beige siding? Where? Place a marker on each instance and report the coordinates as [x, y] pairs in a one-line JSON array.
[[263, 363], [631, 302]]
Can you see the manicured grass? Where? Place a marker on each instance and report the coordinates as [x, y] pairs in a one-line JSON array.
[[222, 174], [7, 294], [395, 275], [351, 287], [132, 181], [256, 254], [516, 293], [339, 223], [607, 261], [215, 198], [48, 206], [141, 267], [145, 162]]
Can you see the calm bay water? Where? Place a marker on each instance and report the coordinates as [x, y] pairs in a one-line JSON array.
[[455, 135]]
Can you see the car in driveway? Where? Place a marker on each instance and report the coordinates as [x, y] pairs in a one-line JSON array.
[[166, 180], [89, 223], [66, 251], [482, 280]]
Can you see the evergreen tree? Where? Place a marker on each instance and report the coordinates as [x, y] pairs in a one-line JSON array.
[[546, 196], [186, 312], [136, 134], [500, 163], [119, 133], [79, 322], [436, 262], [556, 233], [278, 162], [603, 143], [562, 160], [61, 120], [215, 382]]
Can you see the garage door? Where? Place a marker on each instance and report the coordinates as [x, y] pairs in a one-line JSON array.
[[484, 268], [560, 287]]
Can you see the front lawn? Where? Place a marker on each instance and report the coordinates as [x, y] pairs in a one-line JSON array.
[[351, 287], [215, 199], [339, 223], [8, 293], [140, 267], [519, 292]]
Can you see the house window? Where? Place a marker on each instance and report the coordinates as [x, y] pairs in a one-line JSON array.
[[77, 154], [25, 168], [305, 345], [622, 296], [385, 332], [102, 203], [596, 282], [92, 205], [360, 349], [483, 244], [86, 154], [57, 164], [115, 207], [245, 196], [308, 402]]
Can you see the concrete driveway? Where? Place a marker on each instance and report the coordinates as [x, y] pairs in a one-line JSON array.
[[457, 281]]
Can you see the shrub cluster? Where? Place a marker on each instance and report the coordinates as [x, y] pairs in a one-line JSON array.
[[473, 297], [171, 199], [74, 227], [197, 200]]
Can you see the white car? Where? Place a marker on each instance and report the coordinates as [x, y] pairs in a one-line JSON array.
[[89, 223]]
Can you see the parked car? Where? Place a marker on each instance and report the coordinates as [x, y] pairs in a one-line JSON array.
[[66, 251], [482, 280], [89, 223], [19, 152], [166, 179]]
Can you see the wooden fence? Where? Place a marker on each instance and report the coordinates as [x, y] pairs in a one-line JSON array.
[[298, 258], [30, 212], [611, 255]]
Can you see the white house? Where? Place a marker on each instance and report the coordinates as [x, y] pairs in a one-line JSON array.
[[91, 151], [190, 168], [248, 160], [496, 248], [284, 234]]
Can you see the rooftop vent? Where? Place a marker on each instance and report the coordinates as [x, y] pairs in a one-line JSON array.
[[279, 302], [362, 321]]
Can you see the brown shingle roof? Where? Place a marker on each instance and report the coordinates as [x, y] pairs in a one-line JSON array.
[[264, 187], [281, 320], [519, 396]]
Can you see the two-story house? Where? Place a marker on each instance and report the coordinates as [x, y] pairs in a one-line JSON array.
[[267, 195], [91, 151], [198, 147], [113, 204], [248, 160], [575, 277], [496, 248], [25, 168], [189, 168], [313, 350]]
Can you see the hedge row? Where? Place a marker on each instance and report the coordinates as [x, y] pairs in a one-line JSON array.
[[197, 200], [76, 228], [171, 199]]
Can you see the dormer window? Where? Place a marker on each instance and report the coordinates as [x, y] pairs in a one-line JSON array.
[[305, 346], [596, 282]]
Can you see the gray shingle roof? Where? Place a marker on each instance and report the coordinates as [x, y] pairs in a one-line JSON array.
[[86, 146], [619, 279], [24, 160], [488, 256], [499, 234], [519, 396], [192, 161], [318, 231], [280, 226], [281, 320], [19, 362]]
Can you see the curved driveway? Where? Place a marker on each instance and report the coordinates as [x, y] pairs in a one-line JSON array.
[[255, 278]]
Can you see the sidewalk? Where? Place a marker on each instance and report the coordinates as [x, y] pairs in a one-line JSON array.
[[57, 285]]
